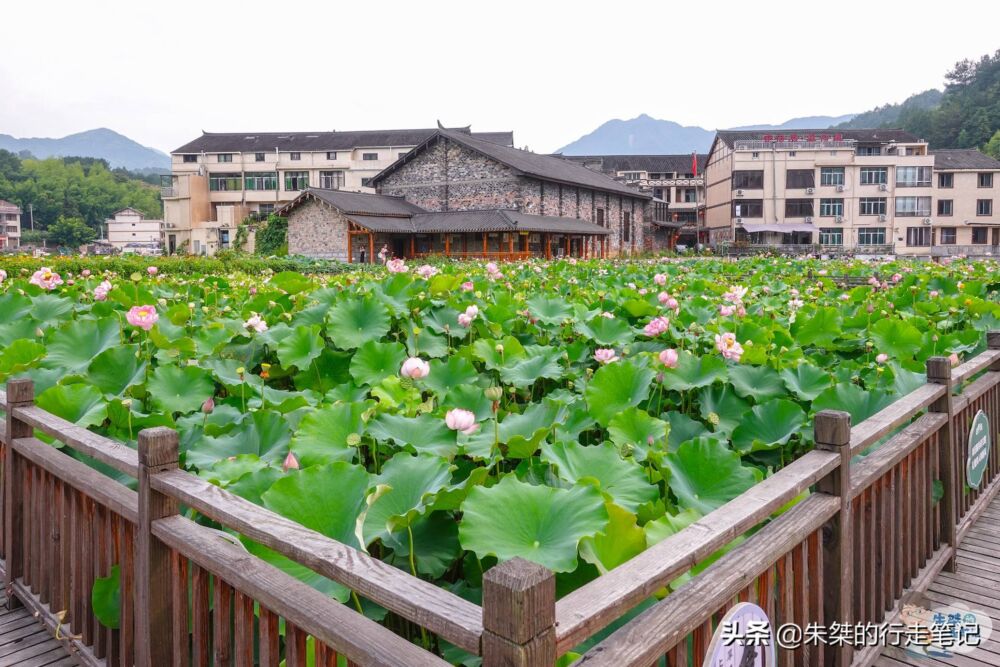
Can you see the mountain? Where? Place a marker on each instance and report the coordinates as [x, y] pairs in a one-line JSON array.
[[644, 135], [889, 115], [118, 150]]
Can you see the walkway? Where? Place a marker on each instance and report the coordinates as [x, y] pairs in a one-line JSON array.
[[25, 643]]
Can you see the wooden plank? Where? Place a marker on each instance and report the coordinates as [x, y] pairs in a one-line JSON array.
[[126, 534], [440, 611], [243, 631], [200, 623], [315, 613], [268, 647], [593, 606], [657, 629], [115, 454], [884, 422], [874, 466], [222, 623], [19, 392], [295, 646], [519, 615], [99, 570], [54, 627], [977, 364], [181, 635]]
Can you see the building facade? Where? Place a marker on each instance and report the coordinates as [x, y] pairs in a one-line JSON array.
[[966, 197], [10, 225], [130, 232], [459, 195], [675, 182], [218, 180]]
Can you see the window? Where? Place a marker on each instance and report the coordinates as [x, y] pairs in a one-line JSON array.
[[946, 180], [401, 154], [945, 207], [874, 175], [798, 208], [979, 235], [748, 208], [918, 236], [331, 180], [296, 180], [190, 158], [800, 178], [868, 151], [831, 207], [295, 156], [872, 206], [831, 236], [631, 175], [689, 196], [984, 207], [748, 180], [913, 177], [792, 153], [258, 157], [913, 207], [223, 182], [831, 176], [754, 155], [225, 157], [600, 217], [949, 236], [658, 193], [871, 236], [369, 156], [331, 155], [261, 180], [265, 210], [626, 227], [366, 182], [985, 179]]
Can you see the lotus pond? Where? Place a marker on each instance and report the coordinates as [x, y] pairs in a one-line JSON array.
[[444, 417]]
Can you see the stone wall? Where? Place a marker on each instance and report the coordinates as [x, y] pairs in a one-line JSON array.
[[317, 230]]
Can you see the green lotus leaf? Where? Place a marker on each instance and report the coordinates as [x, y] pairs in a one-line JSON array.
[[539, 523], [14, 307], [331, 369], [469, 397], [485, 349], [693, 372], [615, 387], [321, 436], [374, 361], [253, 484], [409, 483], [435, 545], [354, 321], [180, 389], [75, 345], [851, 398], [539, 362], [638, 429], [705, 474], [424, 433], [757, 382], [682, 429], [106, 598], [669, 524], [50, 308], [301, 347], [606, 331], [20, 355], [81, 404], [445, 375], [805, 381], [620, 541], [721, 407], [898, 339], [427, 344], [819, 326], [769, 425], [23, 329], [549, 310], [264, 433], [623, 481], [290, 281], [116, 369]]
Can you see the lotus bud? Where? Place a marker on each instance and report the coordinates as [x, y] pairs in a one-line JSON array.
[[126, 402], [511, 390], [353, 440], [493, 393], [713, 418], [499, 348], [208, 406], [39, 332], [626, 450], [870, 308], [290, 462]]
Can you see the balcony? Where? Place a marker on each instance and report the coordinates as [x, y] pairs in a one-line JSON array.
[[744, 249], [978, 250], [168, 193], [799, 144]]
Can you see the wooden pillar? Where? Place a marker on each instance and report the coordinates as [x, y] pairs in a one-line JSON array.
[[465, 245], [548, 246], [447, 245], [484, 244], [519, 614], [939, 372], [158, 452], [350, 249], [20, 394], [510, 244], [832, 433], [371, 248], [413, 245]]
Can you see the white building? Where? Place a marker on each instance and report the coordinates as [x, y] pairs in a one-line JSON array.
[[130, 232], [10, 225]]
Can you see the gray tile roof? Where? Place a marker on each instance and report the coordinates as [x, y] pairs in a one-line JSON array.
[[551, 223], [262, 142], [680, 164], [876, 136], [462, 221], [388, 225], [544, 167], [962, 158], [363, 203]]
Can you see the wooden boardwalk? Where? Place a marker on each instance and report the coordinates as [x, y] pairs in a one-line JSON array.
[[24, 641], [976, 584]]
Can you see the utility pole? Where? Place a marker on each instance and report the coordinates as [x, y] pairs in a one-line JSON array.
[[31, 216]]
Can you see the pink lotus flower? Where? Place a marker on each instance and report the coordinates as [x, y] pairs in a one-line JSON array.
[[152, 270], [660, 279], [462, 421], [735, 294], [467, 286], [934, 294], [85, 273], [726, 311], [101, 291], [427, 272], [728, 345], [657, 326], [663, 297], [256, 323], [46, 278], [143, 317], [953, 357], [396, 266], [642, 290], [896, 277], [882, 358], [605, 355], [415, 368], [253, 291], [208, 406], [464, 320], [669, 358], [491, 267], [3, 275], [844, 297], [290, 462]]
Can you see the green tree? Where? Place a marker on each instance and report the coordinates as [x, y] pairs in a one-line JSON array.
[[72, 232], [992, 147], [272, 238]]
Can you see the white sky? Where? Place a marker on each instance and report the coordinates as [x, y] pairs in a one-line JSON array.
[[160, 72]]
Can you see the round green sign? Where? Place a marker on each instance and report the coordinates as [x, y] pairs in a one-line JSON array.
[[979, 450]]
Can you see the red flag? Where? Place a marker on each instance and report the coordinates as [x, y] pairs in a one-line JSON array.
[[694, 164]]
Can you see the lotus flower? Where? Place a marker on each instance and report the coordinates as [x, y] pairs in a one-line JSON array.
[[727, 344], [427, 272], [882, 358], [256, 323], [101, 291], [152, 270], [467, 286], [208, 406], [605, 355], [735, 294], [85, 273], [726, 311], [415, 368], [462, 421], [660, 279], [46, 278], [953, 358], [143, 317], [669, 358], [396, 266], [657, 326], [290, 462]]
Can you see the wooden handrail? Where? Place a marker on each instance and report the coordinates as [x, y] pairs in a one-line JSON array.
[[111, 452], [887, 420], [891, 452]]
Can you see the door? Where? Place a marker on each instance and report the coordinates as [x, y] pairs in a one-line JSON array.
[[399, 247], [172, 243], [996, 236]]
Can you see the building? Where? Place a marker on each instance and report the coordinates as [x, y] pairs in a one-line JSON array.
[[10, 225], [129, 231], [966, 197], [675, 180], [864, 191], [456, 194], [219, 179]]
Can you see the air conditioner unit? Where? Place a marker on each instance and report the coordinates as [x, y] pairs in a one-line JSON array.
[[839, 218], [883, 187], [739, 220], [927, 221], [809, 218], [881, 217], [809, 191], [739, 193], [840, 188]]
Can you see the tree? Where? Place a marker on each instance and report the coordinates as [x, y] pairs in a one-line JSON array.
[[272, 238], [992, 147], [72, 232]]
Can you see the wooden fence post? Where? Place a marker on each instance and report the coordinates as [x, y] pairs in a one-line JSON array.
[[158, 452], [20, 394], [519, 615], [939, 372], [832, 432]]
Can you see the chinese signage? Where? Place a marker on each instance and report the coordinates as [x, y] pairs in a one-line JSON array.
[[803, 137], [944, 631], [744, 638], [979, 450]]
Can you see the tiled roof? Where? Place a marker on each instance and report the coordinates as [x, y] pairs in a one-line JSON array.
[[680, 164], [963, 158], [876, 136], [4, 204], [258, 142], [549, 223], [363, 203], [544, 167]]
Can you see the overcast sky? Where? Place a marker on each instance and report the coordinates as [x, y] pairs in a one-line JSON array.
[[160, 72]]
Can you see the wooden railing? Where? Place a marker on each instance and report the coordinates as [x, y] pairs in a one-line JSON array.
[[499, 255], [867, 538]]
